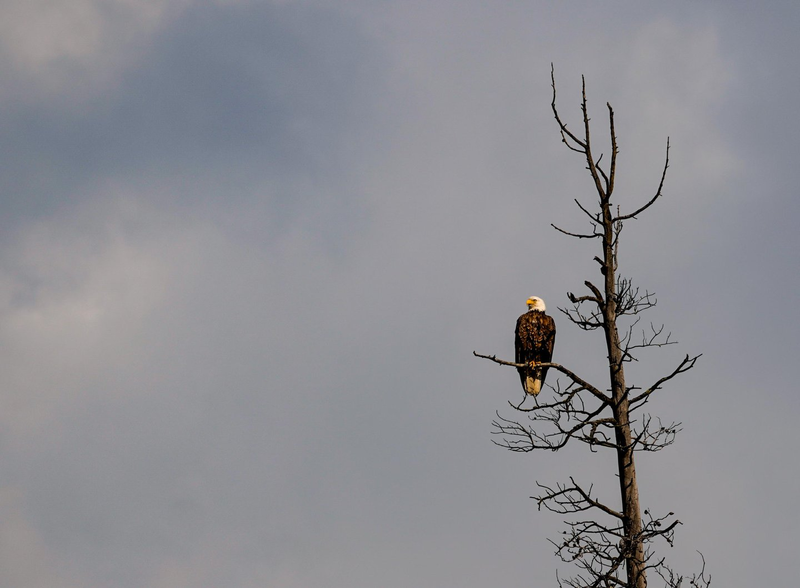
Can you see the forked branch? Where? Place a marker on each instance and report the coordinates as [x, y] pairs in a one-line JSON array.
[[571, 499]]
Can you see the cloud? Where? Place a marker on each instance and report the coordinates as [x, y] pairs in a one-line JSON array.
[[25, 558], [234, 107], [75, 291], [67, 49]]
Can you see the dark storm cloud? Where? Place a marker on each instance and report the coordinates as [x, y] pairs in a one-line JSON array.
[[229, 96]]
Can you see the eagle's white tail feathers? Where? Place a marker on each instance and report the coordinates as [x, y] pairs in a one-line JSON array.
[[533, 385]]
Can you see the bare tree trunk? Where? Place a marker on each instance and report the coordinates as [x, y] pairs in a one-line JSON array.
[[633, 548]]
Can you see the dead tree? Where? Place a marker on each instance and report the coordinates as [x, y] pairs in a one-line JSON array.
[[611, 545]]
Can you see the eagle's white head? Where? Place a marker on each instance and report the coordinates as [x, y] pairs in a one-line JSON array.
[[535, 303]]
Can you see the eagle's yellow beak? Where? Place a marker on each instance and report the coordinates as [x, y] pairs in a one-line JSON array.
[[530, 301]]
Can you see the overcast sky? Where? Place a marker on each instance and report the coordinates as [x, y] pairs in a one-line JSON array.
[[248, 248]]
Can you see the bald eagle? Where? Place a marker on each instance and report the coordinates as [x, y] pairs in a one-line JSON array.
[[534, 341]]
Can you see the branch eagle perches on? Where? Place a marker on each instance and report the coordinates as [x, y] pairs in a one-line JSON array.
[[571, 375], [612, 546]]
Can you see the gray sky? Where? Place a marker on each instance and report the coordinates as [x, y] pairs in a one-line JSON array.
[[248, 248]]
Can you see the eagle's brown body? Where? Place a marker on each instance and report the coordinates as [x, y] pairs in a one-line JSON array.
[[534, 341]]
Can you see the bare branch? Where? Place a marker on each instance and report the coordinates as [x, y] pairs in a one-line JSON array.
[[590, 322], [649, 340], [654, 198], [651, 438], [594, 217], [685, 365], [595, 290], [576, 235], [591, 165], [674, 580], [568, 407], [578, 299], [613, 170], [571, 499], [570, 374], [602, 173], [564, 131]]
